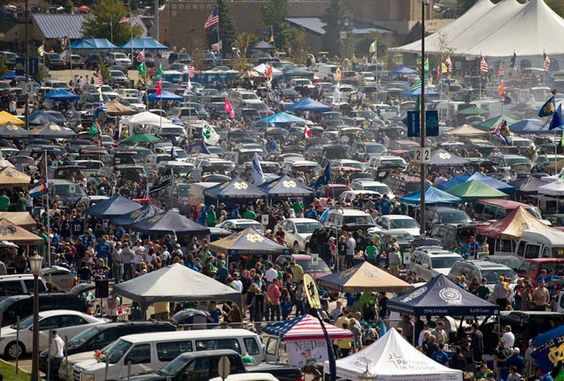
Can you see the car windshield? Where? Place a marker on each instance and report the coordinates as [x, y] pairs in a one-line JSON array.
[[516, 160], [25, 323], [492, 276], [403, 224], [444, 262], [173, 368], [375, 148], [115, 351], [307, 227], [455, 216], [83, 336], [311, 266], [391, 162], [382, 189]]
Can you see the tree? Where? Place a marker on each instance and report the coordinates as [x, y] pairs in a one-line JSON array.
[[104, 22], [227, 28], [336, 21], [274, 14], [3, 68], [104, 70]]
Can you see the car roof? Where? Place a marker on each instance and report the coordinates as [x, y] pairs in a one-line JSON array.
[[200, 334], [50, 313], [397, 217], [349, 211], [487, 265], [297, 220]]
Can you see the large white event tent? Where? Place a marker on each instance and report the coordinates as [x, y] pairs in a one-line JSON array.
[[499, 31], [392, 358]]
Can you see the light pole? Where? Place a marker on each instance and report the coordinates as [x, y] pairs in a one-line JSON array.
[[422, 132], [35, 263]]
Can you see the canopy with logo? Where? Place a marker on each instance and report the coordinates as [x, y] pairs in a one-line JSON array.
[[445, 158], [248, 241], [474, 189], [112, 207], [286, 187], [169, 222], [13, 233], [467, 131], [12, 177], [364, 277], [392, 358], [441, 296], [235, 189], [10, 130], [495, 183], [53, 131], [137, 215]]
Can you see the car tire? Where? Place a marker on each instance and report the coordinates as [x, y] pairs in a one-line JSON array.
[[307, 249], [296, 248], [14, 349]]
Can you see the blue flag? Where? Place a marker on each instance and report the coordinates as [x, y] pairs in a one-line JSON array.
[[556, 118], [548, 108], [203, 147], [325, 177], [258, 174]]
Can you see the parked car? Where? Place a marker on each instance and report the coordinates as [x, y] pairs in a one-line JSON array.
[[21, 306], [54, 61], [237, 225], [297, 232], [428, 262], [399, 221]]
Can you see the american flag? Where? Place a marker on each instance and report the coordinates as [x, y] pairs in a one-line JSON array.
[[125, 20], [484, 67], [213, 19], [305, 328], [501, 70], [546, 60], [99, 80], [448, 63], [191, 71]]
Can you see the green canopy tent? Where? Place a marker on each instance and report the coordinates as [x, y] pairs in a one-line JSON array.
[[472, 110], [140, 139], [474, 190], [487, 125]]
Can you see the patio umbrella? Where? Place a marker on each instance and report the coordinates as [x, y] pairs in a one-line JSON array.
[[140, 139]]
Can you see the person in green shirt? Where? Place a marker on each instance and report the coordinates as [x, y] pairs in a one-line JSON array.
[[371, 253], [211, 217], [22, 202], [4, 202], [298, 207], [250, 214]]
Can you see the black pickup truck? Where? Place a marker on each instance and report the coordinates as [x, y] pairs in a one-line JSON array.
[[202, 366]]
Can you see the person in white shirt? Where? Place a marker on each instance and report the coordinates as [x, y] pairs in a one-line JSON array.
[[56, 352], [270, 274], [508, 337], [236, 283]]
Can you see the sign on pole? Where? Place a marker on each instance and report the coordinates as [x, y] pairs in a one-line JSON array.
[[431, 123], [224, 367], [422, 154]]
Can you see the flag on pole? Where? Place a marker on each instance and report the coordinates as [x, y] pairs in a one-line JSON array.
[[41, 50], [159, 72], [93, 130], [445, 69], [203, 147], [513, 61], [324, 178], [142, 70], [210, 136], [140, 56], [268, 72], [191, 71], [270, 35], [448, 63], [159, 88], [556, 118], [213, 19], [500, 70], [228, 108], [501, 91], [546, 61], [258, 174], [40, 189], [484, 67], [125, 20], [307, 132], [373, 47], [547, 108]]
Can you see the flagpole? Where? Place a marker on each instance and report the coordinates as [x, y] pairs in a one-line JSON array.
[[47, 211], [219, 51]]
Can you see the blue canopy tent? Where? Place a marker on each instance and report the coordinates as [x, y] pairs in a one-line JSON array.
[[403, 70], [281, 118], [11, 75], [169, 222], [308, 104], [499, 185], [286, 187], [92, 44], [532, 126], [113, 207], [144, 44], [44, 117], [236, 189], [145, 212], [441, 296], [433, 196], [417, 92], [61, 95], [452, 182], [165, 96]]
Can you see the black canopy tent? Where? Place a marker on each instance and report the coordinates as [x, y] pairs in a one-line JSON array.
[[169, 222]]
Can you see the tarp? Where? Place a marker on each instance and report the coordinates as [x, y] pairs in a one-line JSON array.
[[42, 117], [286, 187], [165, 96], [169, 222], [10, 130], [305, 327], [248, 241], [433, 196], [281, 118], [143, 44], [176, 283], [92, 44], [452, 182], [513, 225], [113, 207], [494, 183], [442, 157], [308, 104], [235, 189], [467, 131], [22, 219], [6, 117], [115, 108], [392, 358], [145, 212], [61, 95], [11, 177], [53, 131], [13, 233], [555, 188], [364, 277], [473, 190], [441, 296]]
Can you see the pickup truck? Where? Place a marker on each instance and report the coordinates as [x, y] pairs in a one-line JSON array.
[[202, 365]]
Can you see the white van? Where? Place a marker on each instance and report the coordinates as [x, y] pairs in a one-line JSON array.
[[346, 216], [153, 350], [19, 284], [429, 261], [547, 243]]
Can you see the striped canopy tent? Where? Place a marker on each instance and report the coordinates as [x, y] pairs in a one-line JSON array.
[[305, 327]]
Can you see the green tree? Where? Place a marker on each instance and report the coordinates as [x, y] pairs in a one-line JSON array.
[[104, 22], [274, 13], [104, 70], [227, 27], [3, 68], [336, 21]]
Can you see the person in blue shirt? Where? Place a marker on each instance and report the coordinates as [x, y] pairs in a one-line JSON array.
[[516, 360], [385, 205], [103, 249], [236, 213], [311, 213], [440, 355], [471, 248], [88, 238]]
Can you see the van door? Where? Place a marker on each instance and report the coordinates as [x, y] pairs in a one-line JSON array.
[[139, 356], [272, 349]]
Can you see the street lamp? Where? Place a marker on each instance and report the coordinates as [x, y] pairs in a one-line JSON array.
[[422, 131], [35, 264]]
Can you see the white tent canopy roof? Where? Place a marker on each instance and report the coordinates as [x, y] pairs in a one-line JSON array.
[[148, 118], [392, 358], [498, 31]]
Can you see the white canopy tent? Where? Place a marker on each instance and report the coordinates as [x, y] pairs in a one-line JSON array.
[[498, 31], [148, 118], [555, 188], [392, 358], [263, 67]]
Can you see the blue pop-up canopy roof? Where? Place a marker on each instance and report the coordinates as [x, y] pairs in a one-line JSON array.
[[235, 189], [169, 222], [403, 70], [494, 183], [286, 187], [433, 196], [93, 44], [281, 118], [44, 117], [308, 104], [165, 96], [452, 182], [61, 95], [147, 211], [441, 296], [144, 44], [112, 207]]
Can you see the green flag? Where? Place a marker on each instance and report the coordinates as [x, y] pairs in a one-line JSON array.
[[93, 130], [142, 69], [160, 72]]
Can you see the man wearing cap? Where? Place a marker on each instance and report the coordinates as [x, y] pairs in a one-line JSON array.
[[516, 360]]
